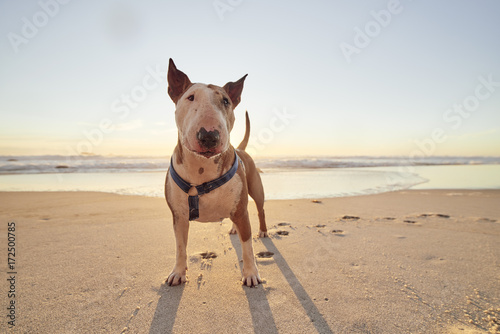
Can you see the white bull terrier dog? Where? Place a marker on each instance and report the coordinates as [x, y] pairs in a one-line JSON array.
[[208, 179]]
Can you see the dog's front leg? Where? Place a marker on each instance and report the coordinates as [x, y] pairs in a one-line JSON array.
[[181, 229], [250, 272]]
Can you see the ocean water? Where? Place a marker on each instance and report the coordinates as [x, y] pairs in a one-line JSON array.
[[283, 178], [112, 164]]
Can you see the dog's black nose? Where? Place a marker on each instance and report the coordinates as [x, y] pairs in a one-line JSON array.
[[208, 139]]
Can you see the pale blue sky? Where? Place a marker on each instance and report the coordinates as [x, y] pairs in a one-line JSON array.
[[73, 73]]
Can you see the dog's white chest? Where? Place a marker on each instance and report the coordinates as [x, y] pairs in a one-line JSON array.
[[221, 202]]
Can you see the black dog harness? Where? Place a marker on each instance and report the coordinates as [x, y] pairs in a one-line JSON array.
[[204, 188]]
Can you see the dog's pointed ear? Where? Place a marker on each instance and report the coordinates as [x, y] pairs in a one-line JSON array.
[[178, 82], [234, 89]]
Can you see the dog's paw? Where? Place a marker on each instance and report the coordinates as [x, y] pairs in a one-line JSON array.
[[233, 230], [251, 277], [176, 277], [263, 234], [251, 281]]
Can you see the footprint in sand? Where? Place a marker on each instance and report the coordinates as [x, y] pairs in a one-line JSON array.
[[409, 221], [200, 281], [346, 217], [264, 255], [284, 224], [486, 220], [317, 226], [440, 215], [433, 258], [208, 255], [280, 232], [337, 232]]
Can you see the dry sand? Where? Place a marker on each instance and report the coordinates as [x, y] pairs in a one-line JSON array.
[[95, 262]]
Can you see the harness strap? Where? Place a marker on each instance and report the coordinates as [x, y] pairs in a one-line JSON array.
[[195, 191]]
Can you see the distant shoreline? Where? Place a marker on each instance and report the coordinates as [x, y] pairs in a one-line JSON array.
[[285, 183]]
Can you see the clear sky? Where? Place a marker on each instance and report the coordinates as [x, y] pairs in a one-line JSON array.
[[324, 77]]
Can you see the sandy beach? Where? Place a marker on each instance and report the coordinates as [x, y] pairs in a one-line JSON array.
[[414, 261]]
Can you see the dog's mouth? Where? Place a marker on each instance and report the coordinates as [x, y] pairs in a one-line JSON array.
[[207, 154], [203, 151]]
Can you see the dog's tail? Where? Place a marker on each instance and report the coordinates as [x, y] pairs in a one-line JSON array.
[[244, 142]]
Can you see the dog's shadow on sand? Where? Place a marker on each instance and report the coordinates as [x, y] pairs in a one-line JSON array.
[[257, 300], [166, 310], [262, 316]]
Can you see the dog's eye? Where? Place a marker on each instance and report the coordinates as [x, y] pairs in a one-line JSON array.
[[191, 97], [225, 101]]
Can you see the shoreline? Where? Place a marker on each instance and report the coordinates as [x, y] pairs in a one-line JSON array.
[[291, 184], [406, 261]]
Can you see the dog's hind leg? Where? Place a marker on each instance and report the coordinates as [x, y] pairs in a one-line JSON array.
[[256, 191]]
